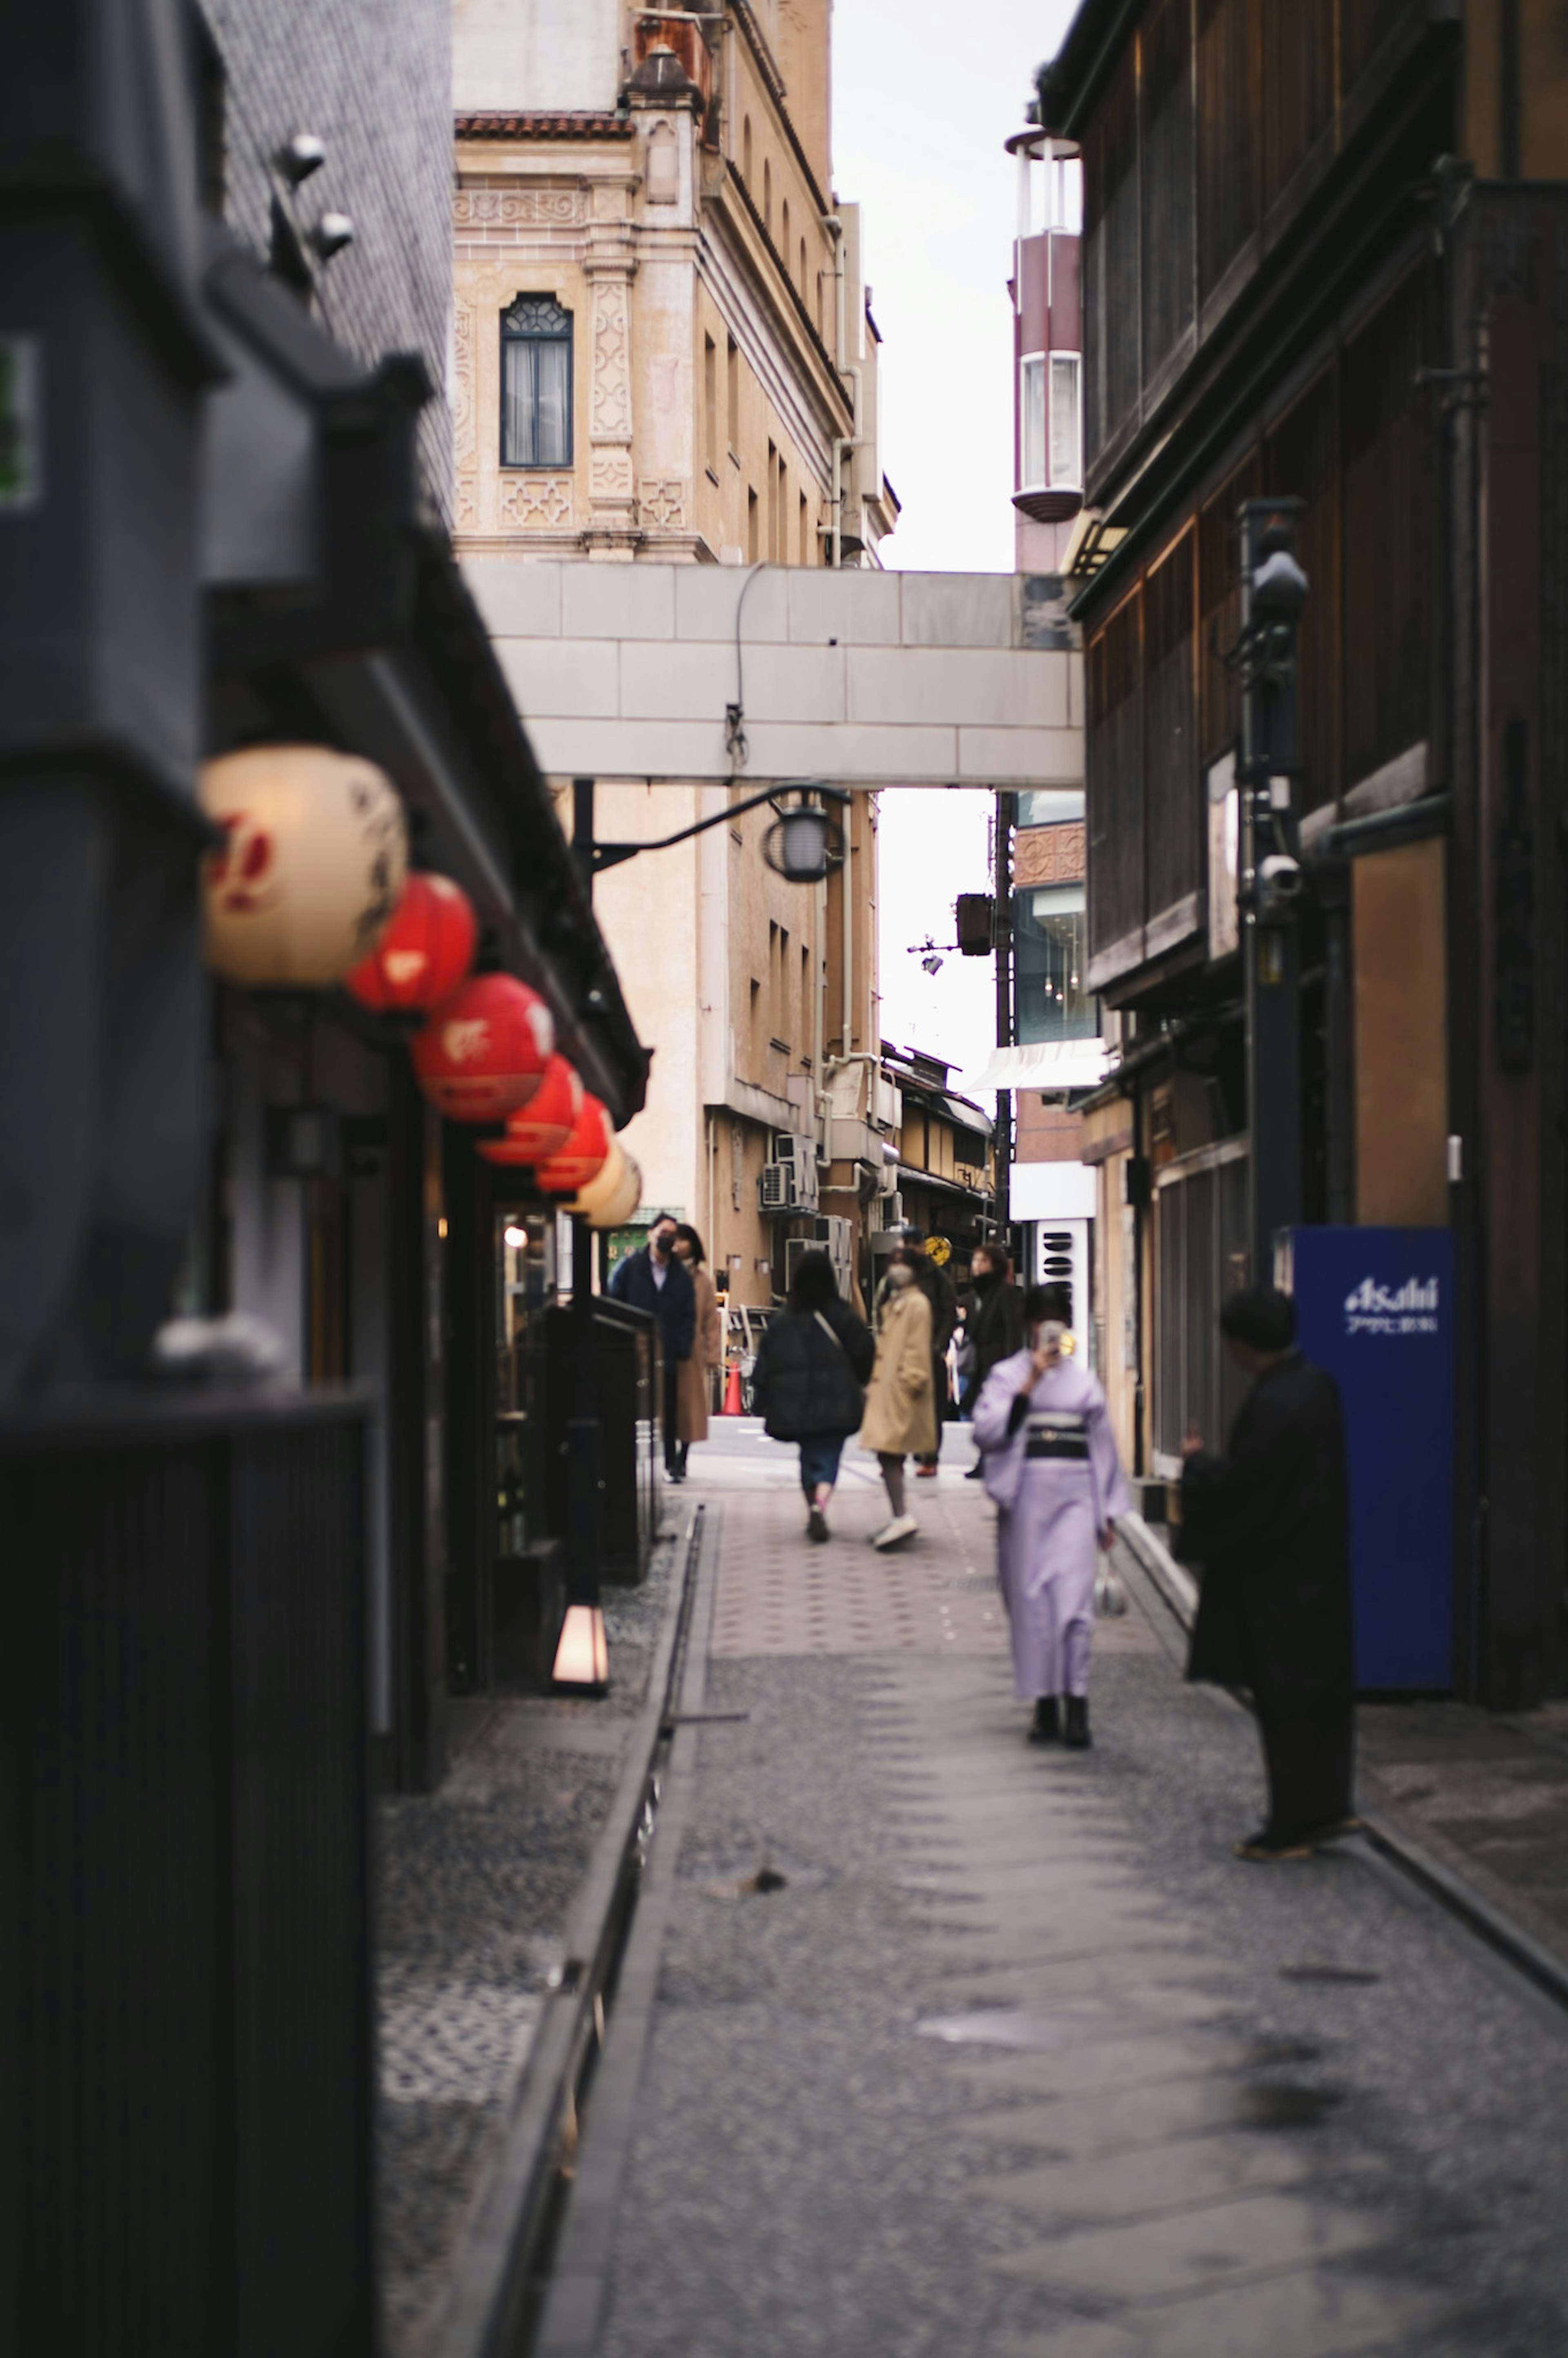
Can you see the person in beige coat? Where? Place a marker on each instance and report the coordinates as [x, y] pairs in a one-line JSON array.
[[693, 1382], [901, 1406]]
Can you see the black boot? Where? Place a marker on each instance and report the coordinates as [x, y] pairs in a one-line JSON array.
[[1045, 1726], [1075, 1735]]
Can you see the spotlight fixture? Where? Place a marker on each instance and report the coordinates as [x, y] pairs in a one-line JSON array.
[[331, 233], [299, 157]]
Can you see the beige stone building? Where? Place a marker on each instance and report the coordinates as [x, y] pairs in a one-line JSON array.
[[664, 352]]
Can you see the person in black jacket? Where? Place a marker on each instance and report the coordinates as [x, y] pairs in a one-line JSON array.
[[1268, 1523], [993, 1327], [658, 1280], [814, 1360]]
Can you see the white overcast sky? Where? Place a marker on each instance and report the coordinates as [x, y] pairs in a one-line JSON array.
[[922, 101]]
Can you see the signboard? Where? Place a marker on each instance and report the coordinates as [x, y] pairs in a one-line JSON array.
[[1376, 1308]]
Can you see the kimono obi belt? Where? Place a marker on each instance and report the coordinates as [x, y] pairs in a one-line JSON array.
[[1055, 1435]]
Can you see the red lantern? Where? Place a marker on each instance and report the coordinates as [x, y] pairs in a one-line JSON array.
[[543, 1126], [424, 952], [483, 1053], [584, 1154]]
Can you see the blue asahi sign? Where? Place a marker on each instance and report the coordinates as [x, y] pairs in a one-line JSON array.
[[1376, 1308], [1412, 1308]]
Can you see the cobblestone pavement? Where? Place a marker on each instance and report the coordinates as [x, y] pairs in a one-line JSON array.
[[1017, 2057]]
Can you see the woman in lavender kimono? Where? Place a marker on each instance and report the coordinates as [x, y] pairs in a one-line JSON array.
[[1051, 1468]]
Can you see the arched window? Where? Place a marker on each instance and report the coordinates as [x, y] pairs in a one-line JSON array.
[[802, 273], [746, 151], [767, 195], [783, 235], [535, 384]]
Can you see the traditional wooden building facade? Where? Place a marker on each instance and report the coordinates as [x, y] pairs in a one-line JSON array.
[[1324, 259]]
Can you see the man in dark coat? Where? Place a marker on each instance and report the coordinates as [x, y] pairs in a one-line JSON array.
[[657, 1280], [1269, 1523]]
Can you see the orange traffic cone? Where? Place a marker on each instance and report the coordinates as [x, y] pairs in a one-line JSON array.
[[732, 1393]]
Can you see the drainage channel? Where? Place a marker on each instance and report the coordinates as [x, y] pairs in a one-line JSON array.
[[574, 2279], [501, 2280], [1169, 1594]]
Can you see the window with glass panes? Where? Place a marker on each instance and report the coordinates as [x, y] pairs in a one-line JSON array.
[[535, 384], [1051, 965]]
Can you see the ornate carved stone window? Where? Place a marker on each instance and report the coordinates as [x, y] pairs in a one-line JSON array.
[[535, 384]]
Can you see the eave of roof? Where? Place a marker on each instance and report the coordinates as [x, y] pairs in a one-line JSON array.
[[1088, 48], [544, 126]]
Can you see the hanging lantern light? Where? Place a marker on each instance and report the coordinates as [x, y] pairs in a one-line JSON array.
[[804, 838], [424, 952], [614, 1192], [543, 1126], [583, 1156], [310, 869], [484, 1051]]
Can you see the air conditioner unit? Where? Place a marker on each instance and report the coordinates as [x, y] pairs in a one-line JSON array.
[[776, 1188], [789, 1181], [837, 1243]]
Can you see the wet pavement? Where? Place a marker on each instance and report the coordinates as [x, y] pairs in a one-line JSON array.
[[961, 2046]]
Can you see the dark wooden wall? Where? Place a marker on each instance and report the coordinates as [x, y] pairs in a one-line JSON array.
[[1210, 132], [1357, 445]]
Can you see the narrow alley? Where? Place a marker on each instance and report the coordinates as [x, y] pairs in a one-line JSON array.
[[932, 2041]]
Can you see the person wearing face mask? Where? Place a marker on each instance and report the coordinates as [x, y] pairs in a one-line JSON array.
[[657, 1281], [994, 1328], [901, 1408], [1051, 1468]]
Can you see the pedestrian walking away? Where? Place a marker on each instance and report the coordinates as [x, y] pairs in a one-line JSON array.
[[657, 1281], [927, 1259], [812, 1362], [901, 1404], [993, 1329], [694, 1377], [1051, 1468], [1269, 1523]]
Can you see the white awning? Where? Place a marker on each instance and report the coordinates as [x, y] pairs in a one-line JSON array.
[[1045, 1065]]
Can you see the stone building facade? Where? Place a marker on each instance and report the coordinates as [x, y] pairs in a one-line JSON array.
[[664, 352], [663, 183]]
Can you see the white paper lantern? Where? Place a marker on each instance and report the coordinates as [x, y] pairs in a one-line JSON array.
[[311, 868], [613, 1193]]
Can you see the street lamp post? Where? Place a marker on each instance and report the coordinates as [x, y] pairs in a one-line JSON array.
[[1273, 591], [798, 846]]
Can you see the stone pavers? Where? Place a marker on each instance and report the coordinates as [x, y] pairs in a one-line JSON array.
[[474, 1886], [1017, 2057]]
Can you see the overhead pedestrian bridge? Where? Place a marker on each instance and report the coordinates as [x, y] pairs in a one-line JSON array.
[[709, 673]]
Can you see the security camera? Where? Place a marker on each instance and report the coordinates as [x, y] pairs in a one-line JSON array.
[[331, 233], [1278, 587], [1279, 881], [932, 965]]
